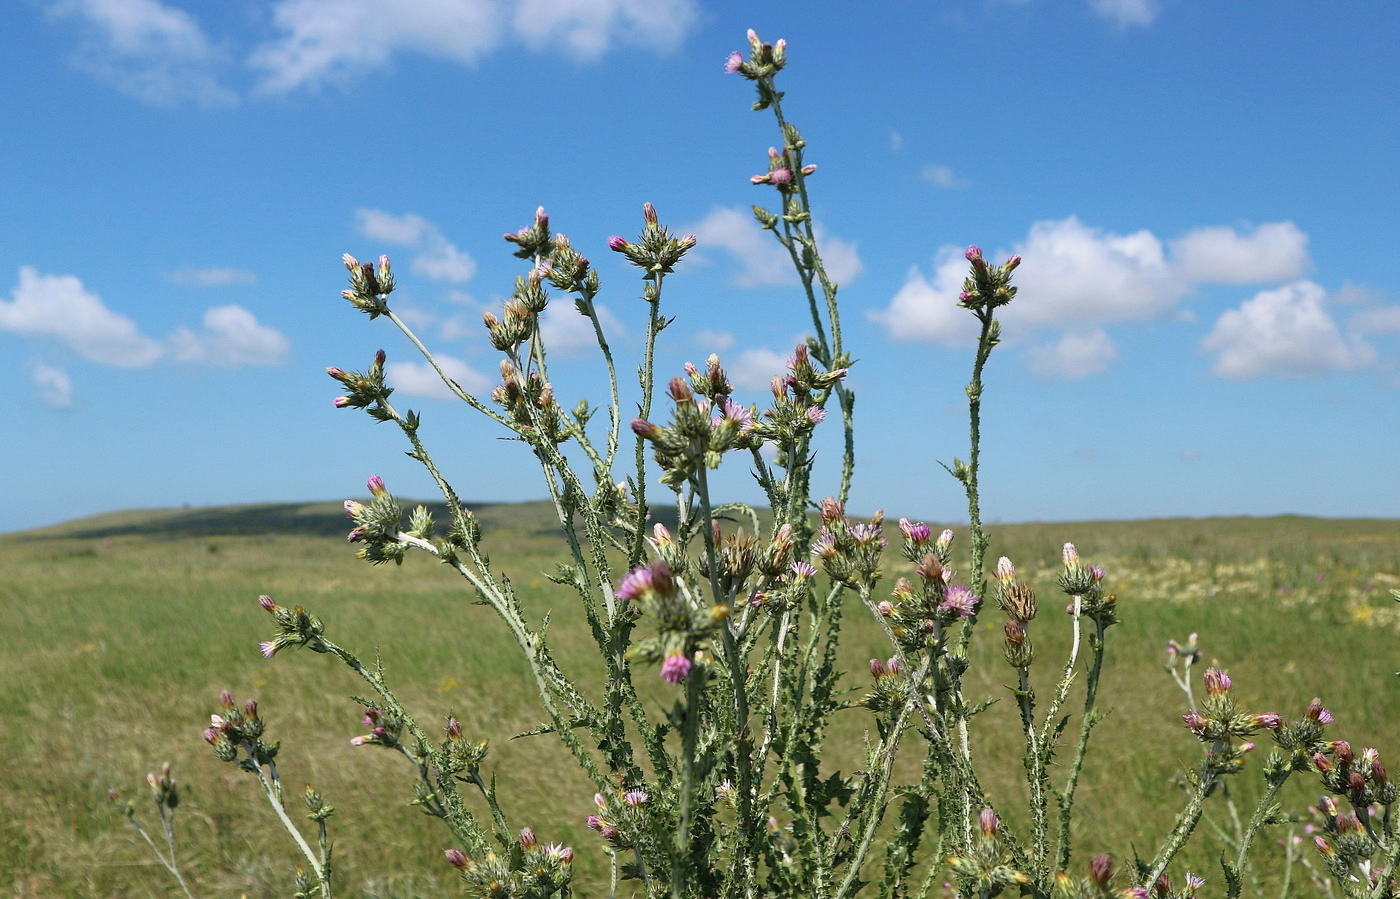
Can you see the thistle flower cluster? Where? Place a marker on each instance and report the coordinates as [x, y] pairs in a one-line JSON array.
[[918, 614], [1361, 779], [763, 62], [295, 627], [370, 286], [1219, 721], [1346, 841], [622, 819], [655, 250], [363, 390], [986, 287], [1099, 884], [702, 430], [1084, 585], [1017, 600], [891, 688], [530, 403], [781, 167], [236, 729], [529, 870], [682, 624], [849, 552], [986, 868], [385, 729], [165, 793]]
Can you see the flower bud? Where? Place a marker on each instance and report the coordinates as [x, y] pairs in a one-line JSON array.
[[617, 244], [649, 213], [988, 823]]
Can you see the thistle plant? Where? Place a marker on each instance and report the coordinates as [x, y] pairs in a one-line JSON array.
[[735, 614]]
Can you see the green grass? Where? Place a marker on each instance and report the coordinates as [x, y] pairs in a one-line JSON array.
[[123, 629]]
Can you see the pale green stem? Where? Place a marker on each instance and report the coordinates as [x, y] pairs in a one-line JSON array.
[[306, 850]]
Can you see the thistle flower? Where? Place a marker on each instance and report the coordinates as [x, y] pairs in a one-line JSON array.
[[1217, 681], [733, 62], [988, 823], [634, 798], [676, 668]]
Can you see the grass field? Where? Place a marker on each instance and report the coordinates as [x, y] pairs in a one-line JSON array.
[[124, 628]]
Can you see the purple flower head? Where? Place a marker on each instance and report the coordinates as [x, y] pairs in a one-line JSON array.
[[341, 402], [689, 241], [1317, 713], [1096, 573], [1195, 722], [877, 668], [966, 296], [885, 608], [454, 729], [733, 62], [988, 823], [1193, 882], [268, 649], [376, 486], [1012, 263], [972, 253], [527, 838], [959, 601], [617, 244], [918, 532], [832, 509], [816, 414], [945, 539], [635, 798], [645, 429], [1268, 720], [1217, 681], [267, 603], [779, 176], [675, 669], [824, 547], [458, 859], [649, 213], [804, 571], [353, 508], [1101, 869]]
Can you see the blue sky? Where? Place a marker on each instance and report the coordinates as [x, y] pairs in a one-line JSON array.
[[1203, 193]]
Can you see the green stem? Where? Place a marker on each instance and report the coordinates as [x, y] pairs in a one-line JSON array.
[[311, 858]]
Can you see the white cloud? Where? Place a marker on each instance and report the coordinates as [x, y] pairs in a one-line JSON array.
[[1376, 320], [231, 336], [589, 28], [1287, 333], [1077, 354], [568, 332], [419, 378], [713, 341], [943, 176], [210, 277], [437, 259], [754, 369], [148, 50], [926, 309], [1277, 251], [1082, 276], [327, 40], [1127, 12], [1076, 279], [54, 385], [762, 259], [59, 306]]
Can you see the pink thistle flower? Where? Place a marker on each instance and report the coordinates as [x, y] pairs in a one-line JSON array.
[[361, 740], [355, 535], [779, 176], [733, 62], [885, 608], [527, 839], [268, 648], [353, 508], [376, 486], [1195, 722], [454, 729], [212, 735], [1070, 554], [1217, 681], [804, 571], [341, 402], [649, 213], [1006, 572], [594, 822], [634, 798], [988, 823], [816, 414], [617, 244], [832, 509], [1012, 263], [566, 855], [808, 169], [877, 668], [1268, 720], [959, 600], [972, 253], [266, 602], [689, 241], [915, 531], [675, 669], [1101, 869], [1317, 713], [645, 429], [458, 859]]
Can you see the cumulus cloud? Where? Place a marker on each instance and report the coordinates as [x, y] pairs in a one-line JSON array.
[[754, 369], [54, 385], [211, 277], [59, 306], [1286, 333], [326, 40], [437, 259], [1125, 13], [1376, 320], [1077, 279], [231, 336], [1276, 251], [761, 258], [1075, 355], [568, 332], [148, 50], [713, 341], [943, 176], [419, 378]]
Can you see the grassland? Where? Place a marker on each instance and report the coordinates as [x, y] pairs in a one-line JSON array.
[[123, 629]]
